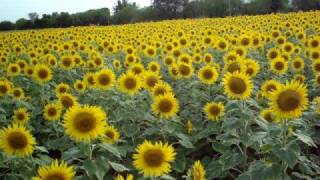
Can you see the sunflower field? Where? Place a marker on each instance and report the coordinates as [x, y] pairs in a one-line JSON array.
[[224, 98]]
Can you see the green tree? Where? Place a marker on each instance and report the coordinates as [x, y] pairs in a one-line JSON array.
[[306, 5], [6, 26], [169, 9]]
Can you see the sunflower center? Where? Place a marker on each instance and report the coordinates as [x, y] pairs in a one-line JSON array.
[[317, 67], [154, 68], [52, 111], [151, 81], [159, 91], [165, 105], [104, 79], [20, 116], [237, 85], [289, 100], [184, 70], [56, 176], [17, 140], [17, 93], [271, 87], [207, 74], [66, 62], [268, 117], [297, 64], [214, 110], [137, 70], [66, 102], [110, 134], [245, 41], [130, 83], [14, 69], [250, 71], [234, 67], [43, 74], [154, 158], [85, 122], [3, 89], [279, 65], [273, 54]]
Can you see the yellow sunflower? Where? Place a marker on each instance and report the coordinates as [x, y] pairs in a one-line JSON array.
[[67, 100], [80, 86], [154, 159], [289, 100], [317, 80], [269, 86], [316, 66], [67, 62], [237, 85], [267, 114], [17, 93], [185, 70], [17, 140], [214, 110], [154, 66], [161, 88], [57, 171], [150, 79], [89, 79], [279, 66], [42, 73], [165, 106], [198, 172], [13, 69], [120, 177], [5, 87], [21, 116], [208, 74], [297, 64], [111, 135], [129, 83], [52, 111], [137, 69], [104, 79], [85, 123], [62, 88]]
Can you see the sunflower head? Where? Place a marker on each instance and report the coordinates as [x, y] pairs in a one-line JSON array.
[[268, 115], [237, 85], [269, 86], [5, 87], [85, 123], [17, 140], [198, 172], [129, 83], [21, 116], [104, 79], [279, 66], [165, 106], [289, 100], [150, 79], [208, 74], [67, 100], [154, 159], [161, 88], [111, 135], [57, 171], [214, 110], [52, 111], [42, 73]]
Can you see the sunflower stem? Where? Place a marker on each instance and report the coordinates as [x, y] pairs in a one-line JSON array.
[[284, 142]]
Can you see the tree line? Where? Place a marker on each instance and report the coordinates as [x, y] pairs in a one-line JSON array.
[[128, 12]]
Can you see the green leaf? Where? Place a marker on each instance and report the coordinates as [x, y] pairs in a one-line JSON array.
[[286, 155], [180, 163], [118, 167], [185, 141], [219, 147], [306, 139], [111, 149]]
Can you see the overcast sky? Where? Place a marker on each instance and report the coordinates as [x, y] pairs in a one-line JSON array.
[[12, 10]]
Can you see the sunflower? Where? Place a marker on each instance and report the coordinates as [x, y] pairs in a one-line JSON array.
[[150, 79], [279, 66], [137, 69], [57, 171], [168, 60], [197, 171], [214, 110], [154, 159], [62, 88], [67, 62], [269, 86], [67, 100], [116, 64], [317, 80], [5, 87], [21, 116], [42, 73], [17, 140], [154, 67], [237, 85], [120, 177], [29, 70], [129, 83], [185, 70], [208, 74], [104, 79], [299, 78], [289, 100], [52, 111], [150, 52], [17, 93], [111, 135], [314, 54], [13, 69], [165, 106], [161, 88], [85, 123], [297, 64], [267, 114], [233, 66], [89, 79], [80, 85], [273, 53], [316, 66]]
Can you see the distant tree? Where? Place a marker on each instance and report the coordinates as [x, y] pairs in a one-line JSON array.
[[145, 14], [23, 24], [306, 5], [193, 9], [120, 5], [125, 15], [64, 20], [6, 26], [33, 16], [169, 9]]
